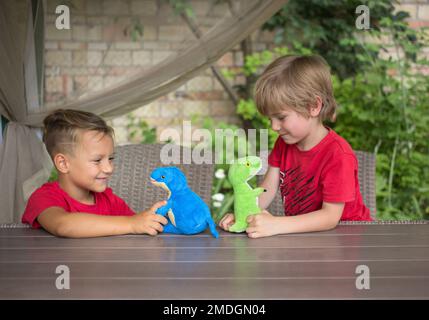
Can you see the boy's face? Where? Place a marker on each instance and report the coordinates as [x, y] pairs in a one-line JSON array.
[[91, 164], [291, 126]]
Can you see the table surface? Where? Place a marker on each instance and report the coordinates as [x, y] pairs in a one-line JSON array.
[[320, 265]]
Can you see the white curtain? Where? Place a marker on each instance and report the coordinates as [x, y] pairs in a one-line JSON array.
[[23, 156]]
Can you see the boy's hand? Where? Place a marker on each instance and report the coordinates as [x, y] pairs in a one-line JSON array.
[[263, 224], [227, 221], [148, 221]]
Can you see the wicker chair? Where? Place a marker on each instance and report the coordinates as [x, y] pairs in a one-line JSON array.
[[134, 164], [366, 174]]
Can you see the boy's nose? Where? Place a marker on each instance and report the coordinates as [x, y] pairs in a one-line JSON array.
[[275, 125], [108, 168]]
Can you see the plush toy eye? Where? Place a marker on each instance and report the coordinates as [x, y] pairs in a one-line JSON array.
[[247, 164], [162, 177]]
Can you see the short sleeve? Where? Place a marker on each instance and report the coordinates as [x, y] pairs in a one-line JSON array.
[[118, 205], [274, 159], [339, 179], [39, 201]]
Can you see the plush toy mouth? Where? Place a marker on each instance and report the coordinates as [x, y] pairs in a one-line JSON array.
[[253, 172], [161, 185]]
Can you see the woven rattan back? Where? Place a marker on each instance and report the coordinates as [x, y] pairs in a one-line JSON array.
[[134, 164], [366, 173]]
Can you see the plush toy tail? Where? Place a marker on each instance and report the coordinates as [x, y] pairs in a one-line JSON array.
[[212, 227]]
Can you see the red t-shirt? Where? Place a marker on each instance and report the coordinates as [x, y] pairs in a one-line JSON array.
[[326, 173], [51, 195]]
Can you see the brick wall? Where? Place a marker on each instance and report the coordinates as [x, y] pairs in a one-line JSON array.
[[419, 18], [418, 10], [98, 51]]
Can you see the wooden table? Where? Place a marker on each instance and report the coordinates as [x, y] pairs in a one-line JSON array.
[[315, 265]]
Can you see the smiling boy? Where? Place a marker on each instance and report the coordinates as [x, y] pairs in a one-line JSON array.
[[80, 204]]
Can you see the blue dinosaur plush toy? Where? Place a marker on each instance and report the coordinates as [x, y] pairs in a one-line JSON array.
[[187, 212]]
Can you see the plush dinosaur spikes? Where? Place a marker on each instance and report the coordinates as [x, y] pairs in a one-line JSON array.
[[187, 212], [245, 198]]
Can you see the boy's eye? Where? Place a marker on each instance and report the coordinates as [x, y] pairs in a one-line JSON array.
[[111, 158], [279, 118]]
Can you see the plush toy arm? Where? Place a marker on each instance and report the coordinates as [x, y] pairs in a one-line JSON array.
[[164, 210], [169, 228], [258, 191]]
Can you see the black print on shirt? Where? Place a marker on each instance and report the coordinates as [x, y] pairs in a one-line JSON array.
[[296, 190]]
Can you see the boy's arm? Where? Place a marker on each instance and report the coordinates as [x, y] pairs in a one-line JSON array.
[[271, 184], [60, 223], [320, 220], [265, 224]]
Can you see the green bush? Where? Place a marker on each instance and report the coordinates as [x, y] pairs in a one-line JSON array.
[[54, 175], [323, 25], [140, 131], [384, 109]]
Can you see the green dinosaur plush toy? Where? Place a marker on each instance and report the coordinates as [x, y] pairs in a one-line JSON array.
[[245, 198]]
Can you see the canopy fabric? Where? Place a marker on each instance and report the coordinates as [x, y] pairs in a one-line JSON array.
[[22, 154], [13, 27]]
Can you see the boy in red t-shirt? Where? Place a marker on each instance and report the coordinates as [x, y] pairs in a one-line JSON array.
[[80, 204], [315, 169]]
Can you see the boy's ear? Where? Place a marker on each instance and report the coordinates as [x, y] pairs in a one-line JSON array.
[[61, 163], [317, 107]]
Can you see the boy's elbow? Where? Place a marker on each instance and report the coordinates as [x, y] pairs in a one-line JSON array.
[[56, 222], [329, 221], [60, 230], [57, 228], [63, 230], [332, 214], [333, 223]]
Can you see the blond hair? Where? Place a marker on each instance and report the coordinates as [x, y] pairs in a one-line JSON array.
[[62, 128], [294, 82]]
